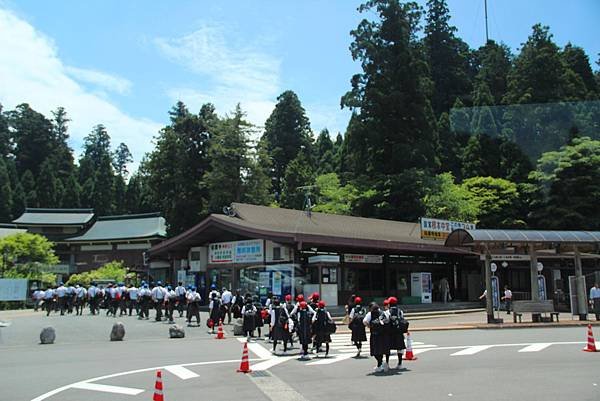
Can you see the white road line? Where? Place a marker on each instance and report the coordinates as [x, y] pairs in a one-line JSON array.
[[535, 347], [181, 372], [107, 389], [269, 363], [257, 349], [330, 360], [472, 350]]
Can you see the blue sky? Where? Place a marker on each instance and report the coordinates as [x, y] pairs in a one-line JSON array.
[[125, 63]]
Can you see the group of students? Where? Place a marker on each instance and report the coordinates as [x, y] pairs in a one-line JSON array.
[[307, 320]]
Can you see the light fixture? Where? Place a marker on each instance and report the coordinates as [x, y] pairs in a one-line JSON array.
[[505, 264], [540, 266]]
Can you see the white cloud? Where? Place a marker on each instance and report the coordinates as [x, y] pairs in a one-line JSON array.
[[233, 73], [100, 79], [32, 72]]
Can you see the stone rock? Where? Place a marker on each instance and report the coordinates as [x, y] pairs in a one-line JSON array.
[[48, 335], [238, 327], [176, 331], [118, 332]]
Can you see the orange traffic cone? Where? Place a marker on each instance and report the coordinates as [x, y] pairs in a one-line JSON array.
[[158, 388], [409, 356], [220, 334], [591, 343], [245, 365]]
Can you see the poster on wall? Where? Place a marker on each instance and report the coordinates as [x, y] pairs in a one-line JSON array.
[[277, 283], [249, 251], [440, 229], [13, 289]]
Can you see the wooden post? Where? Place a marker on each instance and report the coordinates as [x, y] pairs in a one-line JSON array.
[[580, 286], [535, 291]]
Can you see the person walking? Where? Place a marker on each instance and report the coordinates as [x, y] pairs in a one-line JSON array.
[[215, 311], [279, 324], [145, 296], [80, 296], [122, 299], [357, 315], [181, 294], [158, 297], [170, 303], [303, 326], [49, 300], [445, 290], [395, 330], [258, 318], [93, 294], [193, 306], [375, 319], [595, 300], [289, 306], [61, 294], [248, 315], [132, 294], [321, 321], [507, 298]]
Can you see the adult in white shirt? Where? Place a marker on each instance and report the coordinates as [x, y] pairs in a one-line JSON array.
[[61, 294], [93, 294], [80, 295], [145, 297], [132, 303], [193, 301], [376, 320], [49, 300], [158, 296], [181, 297], [226, 298], [507, 298], [38, 296], [595, 300]]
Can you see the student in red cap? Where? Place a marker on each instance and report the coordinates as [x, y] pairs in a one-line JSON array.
[[395, 330], [303, 327], [279, 324], [289, 306], [376, 321], [357, 315], [321, 320]]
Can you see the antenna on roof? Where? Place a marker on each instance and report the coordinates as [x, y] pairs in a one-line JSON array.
[[307, 189], [229, 211]]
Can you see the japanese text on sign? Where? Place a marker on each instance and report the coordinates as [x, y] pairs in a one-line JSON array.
[[439, 229]]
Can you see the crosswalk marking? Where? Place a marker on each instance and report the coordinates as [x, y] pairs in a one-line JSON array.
[[257, 349], [472, 350], [107, 389], [269, 363], [535, 347], [181, 372], [330, 360]]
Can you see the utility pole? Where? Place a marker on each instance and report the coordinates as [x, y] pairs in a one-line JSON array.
[[307, 201], [487, 36]]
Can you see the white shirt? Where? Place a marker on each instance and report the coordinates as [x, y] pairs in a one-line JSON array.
[[367, 319], [112, 291], [507, 294], [144, 292], [193, 296], [49, 293], [310, 310], [226, 297], [81, 292], [314, 318], [249, 309], [180, 290], [133, 293], [38, 295], [158, 293], [272, 314], [61, 291], [594, 292], [92, 291]]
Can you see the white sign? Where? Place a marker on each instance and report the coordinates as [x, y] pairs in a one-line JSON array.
[[508, 257], [358, 258], [249, 251], [324, 259], [13, 289], [494, 267], [440, 229]]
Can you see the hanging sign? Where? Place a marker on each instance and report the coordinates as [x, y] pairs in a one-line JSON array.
[[359, 258], [249, 251], [440, 229]]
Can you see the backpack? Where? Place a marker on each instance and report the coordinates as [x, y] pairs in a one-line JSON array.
[[282, 316], [395, 317], [359, 314]]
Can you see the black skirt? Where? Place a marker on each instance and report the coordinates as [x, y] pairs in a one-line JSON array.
[[396, 340], [379, 344], [280, 333], [358, 332], [249, 324]]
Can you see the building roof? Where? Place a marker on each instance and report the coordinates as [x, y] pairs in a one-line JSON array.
[[295, 226], [470, 237], [10, 229], [133, 226], [55, 217]]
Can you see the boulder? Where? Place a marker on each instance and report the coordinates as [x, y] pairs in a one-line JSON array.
[[118, 332], [176, 331], [238, 327], [48, 335]]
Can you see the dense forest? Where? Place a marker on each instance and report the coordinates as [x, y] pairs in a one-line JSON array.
[[437, 129]]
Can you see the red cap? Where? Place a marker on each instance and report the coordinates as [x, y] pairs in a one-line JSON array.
[[386, 301], [321, 304], [315, 296], [393, 300], [302, 305], [300, 298], [357, 300], [288, 297]]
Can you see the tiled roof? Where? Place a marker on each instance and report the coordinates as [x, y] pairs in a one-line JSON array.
[[55, 217], [10, 229], [124, 227]]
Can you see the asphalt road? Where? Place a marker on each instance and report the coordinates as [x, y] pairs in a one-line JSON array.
[[525, 364]]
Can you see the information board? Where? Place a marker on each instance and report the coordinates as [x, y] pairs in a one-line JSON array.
[[13, 289], [440, 229]]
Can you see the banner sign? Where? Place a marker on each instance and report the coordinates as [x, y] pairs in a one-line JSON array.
[[439, 229], [13, 289], [358, 258], [507, 257], [249, 251]]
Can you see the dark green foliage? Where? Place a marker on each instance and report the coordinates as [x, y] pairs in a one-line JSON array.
[[33, 138], [47, 189], [299, 173], [71, 194], [257, 183], [287, 132], [6, 146], [448, 57], [6, 200], [96, 172], [325, 153], [122, 157], [134, 195], [29, 189], [493, 63]]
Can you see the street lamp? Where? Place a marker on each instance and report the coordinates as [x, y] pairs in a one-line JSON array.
[[540, 267]]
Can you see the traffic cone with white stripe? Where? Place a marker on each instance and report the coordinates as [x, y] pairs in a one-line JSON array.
[[158, 388], [220, 333], [409, 356], [591, 343], [245, 365]]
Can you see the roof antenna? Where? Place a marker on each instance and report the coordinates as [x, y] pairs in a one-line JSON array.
[[229, 211], [307, 189]]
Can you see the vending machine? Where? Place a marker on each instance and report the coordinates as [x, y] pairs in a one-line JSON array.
[[421, 286]]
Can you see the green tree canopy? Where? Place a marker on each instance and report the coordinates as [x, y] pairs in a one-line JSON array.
[[450, 201], [332, 197], [27, 254], [115, 271]]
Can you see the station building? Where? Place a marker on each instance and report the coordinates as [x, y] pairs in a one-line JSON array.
[[84, 241], [283, 251]]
